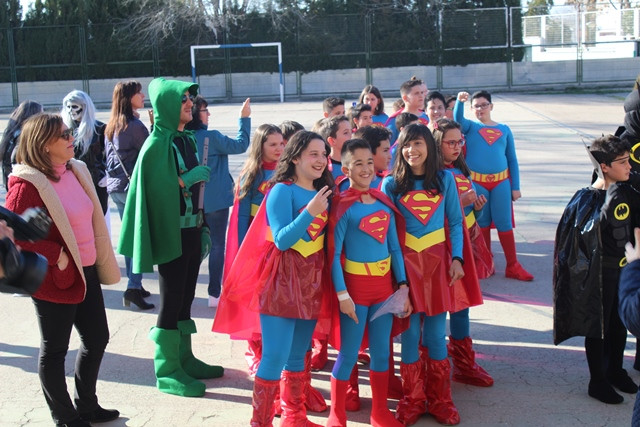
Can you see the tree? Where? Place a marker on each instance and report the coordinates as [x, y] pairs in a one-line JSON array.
[[539, 7]]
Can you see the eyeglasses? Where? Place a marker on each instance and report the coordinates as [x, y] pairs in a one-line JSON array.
[[206, 110], [481, 106], [185, 97], [453, 143], [67, 135]]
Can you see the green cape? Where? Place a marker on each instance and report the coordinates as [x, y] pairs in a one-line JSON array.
[[151, 222]]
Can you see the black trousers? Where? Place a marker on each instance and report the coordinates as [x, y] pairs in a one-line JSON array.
[[605, 356], [177, 282], [56, 321]]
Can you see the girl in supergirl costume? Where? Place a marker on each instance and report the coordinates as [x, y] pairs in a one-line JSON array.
[[427, 197], [265, 150], [362, 226], [448, 137], [278, 272]]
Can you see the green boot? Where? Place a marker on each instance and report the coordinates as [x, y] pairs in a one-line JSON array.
[[171, 378], [192, 366]]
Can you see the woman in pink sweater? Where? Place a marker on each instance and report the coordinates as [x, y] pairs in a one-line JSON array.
[[80, 257]]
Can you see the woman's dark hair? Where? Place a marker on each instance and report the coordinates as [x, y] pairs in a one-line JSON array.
[[442, 126], [371, 89], [121, 108], [25, 110], [285, 170], [401, 170], [198, 104]]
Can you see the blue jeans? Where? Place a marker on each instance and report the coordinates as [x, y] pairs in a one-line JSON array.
[[217, 222], [135, 279]]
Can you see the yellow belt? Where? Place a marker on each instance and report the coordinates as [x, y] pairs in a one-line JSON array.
[[419, 244], [302, 246], [378, 268], [254, 209], [490, 177], [470, 219]]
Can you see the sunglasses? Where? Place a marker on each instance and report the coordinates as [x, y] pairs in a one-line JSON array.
[[185, 97], [67, 135]]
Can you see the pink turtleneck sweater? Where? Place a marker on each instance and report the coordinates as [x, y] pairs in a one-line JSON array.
[[79, 209]]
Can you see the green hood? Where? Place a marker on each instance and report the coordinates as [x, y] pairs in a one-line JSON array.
[[150, 231], [166, 99]]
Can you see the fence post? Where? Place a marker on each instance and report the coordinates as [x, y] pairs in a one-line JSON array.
[[367, 47], [439, 48], [84, 67], [509, 18], [12, 67], [579, 20]]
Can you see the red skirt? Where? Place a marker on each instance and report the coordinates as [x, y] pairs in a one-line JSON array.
[[428, 273], [292, 285]]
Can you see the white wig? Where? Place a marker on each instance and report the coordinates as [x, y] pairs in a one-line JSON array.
[[85, 129]]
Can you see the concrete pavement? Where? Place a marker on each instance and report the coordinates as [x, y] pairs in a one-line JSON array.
[[536, 383]]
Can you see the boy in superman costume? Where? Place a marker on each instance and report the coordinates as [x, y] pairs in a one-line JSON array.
[[362, 226], [491, 156], [162, 225]]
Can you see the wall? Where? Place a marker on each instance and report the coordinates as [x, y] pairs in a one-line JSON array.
[[499, 76]]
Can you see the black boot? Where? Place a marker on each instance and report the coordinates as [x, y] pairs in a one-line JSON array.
[[145, 293], [78, 422], [100, 415], [604, 392], [135, 296]]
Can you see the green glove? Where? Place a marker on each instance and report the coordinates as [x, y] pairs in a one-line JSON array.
[[205, 243], [197, 174]]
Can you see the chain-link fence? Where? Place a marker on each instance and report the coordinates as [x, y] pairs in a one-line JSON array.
[[513, 47]]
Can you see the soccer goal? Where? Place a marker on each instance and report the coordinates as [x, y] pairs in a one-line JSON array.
[[243, 45]]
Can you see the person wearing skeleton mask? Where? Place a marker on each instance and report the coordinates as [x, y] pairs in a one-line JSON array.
[[79, 114]]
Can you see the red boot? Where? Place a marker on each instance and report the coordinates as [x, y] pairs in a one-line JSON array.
[[424, 357], [395, 383], [338, 415], [264, 391], [439, 402], [319, 353], [381, 416], [514, 270], [315, 402], [352, 403], [413, 403], [253, 353], [465, 368], [292, 398]]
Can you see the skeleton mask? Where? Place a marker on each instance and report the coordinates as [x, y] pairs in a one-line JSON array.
[[75, 110]]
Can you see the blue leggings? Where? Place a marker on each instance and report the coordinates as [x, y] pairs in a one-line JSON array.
[[498, 206], [285, 342], [433, 337], [459, 324], [351, 334]]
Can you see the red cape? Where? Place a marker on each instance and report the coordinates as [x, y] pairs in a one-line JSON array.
[[339, 205]]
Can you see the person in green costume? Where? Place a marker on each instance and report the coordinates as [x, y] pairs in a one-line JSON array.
[[162, 226]]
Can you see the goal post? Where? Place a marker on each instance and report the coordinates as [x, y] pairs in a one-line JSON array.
[[243, 45]]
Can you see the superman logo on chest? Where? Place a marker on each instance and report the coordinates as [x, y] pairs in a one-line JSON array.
[[421, 204], [376, 225], [490, 135], [263, 187]]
